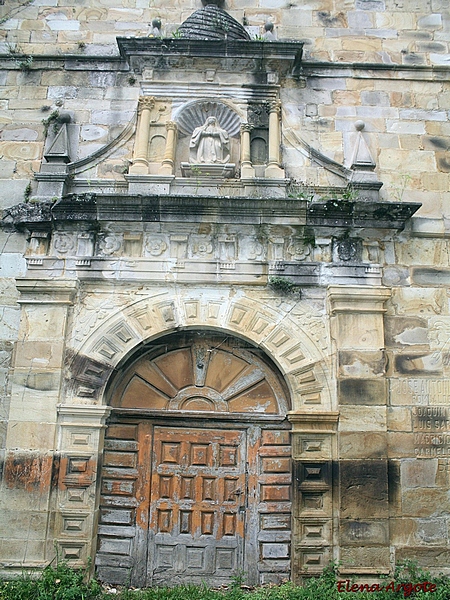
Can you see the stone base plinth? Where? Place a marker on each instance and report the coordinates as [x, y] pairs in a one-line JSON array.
[[208, 170]]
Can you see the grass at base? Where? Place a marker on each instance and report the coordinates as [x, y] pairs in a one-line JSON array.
[[61, 582]]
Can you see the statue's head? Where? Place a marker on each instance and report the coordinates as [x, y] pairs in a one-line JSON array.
[[211, 120]]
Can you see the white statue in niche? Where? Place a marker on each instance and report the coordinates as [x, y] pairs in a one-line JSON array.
[[209, 143]]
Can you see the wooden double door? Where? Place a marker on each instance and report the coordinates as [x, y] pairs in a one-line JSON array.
[[198, 504], [174, 505]]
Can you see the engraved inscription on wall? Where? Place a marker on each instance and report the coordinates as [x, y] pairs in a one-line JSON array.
[[421, 391], [431, 427]]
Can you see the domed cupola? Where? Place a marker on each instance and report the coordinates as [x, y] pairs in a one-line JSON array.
[[212, 23]]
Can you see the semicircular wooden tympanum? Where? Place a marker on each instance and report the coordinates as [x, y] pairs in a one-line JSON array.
[[198, 372]]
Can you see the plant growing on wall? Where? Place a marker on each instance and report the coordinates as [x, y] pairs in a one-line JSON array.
[[296, 189], [25, 64], [282, 285], [51, 120], [27, 192]]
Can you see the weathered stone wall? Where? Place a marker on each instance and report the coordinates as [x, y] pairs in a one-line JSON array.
[[410, 32], [376, 383]]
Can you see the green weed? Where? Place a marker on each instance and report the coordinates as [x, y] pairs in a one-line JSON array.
[[61, 582], [54, 583], [283, 285]]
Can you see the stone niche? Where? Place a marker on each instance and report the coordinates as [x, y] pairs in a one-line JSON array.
[[208, 140], [202, 139]]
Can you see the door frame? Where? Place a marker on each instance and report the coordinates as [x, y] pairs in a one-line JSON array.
[[254, 424]]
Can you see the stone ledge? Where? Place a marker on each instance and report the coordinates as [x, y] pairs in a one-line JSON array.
[[379, 215], [287, 54], [46, 291], [358, 299], [314, 422]]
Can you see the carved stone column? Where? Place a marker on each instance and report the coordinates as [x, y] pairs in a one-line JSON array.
[[247, 170], [273, 170], [140, 157], [167, 166]]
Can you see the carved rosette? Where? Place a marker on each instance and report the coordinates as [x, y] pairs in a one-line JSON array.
[[63, 243], [202, 247], [155, 246], [110, 244], [299, 251]]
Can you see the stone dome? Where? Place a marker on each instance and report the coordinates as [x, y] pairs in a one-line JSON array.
[[212, 23]]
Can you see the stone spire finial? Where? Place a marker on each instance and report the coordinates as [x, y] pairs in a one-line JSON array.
[[362, 159], [363, 166], [58, 151]]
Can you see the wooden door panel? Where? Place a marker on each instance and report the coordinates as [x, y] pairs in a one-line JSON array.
[[198, 501], [124, 503], [178, 500]]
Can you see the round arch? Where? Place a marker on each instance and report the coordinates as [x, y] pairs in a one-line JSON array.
[[199, 370], [295, 343]]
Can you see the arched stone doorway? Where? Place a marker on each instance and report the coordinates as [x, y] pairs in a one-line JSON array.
[[196, 476]]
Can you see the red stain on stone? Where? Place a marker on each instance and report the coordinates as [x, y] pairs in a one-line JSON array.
[[29, 471]]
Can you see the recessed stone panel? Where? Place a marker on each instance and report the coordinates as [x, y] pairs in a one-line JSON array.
[[311, 447], [312, 474]]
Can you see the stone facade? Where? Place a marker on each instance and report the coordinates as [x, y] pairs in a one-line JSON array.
[[301, 275]]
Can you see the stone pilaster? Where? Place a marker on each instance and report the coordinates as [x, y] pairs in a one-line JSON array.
[[313, 450], [357, 315], [80, 443], [30, 460]]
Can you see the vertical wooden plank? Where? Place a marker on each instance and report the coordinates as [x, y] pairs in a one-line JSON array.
[[252, 513], [145, 435]]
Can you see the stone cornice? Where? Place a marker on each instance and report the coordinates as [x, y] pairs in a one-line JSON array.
[[116, 207], [283, 56], [314, 422], [75, 62], [361, 213], [46, 291], [361, 299], [93, 208]]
